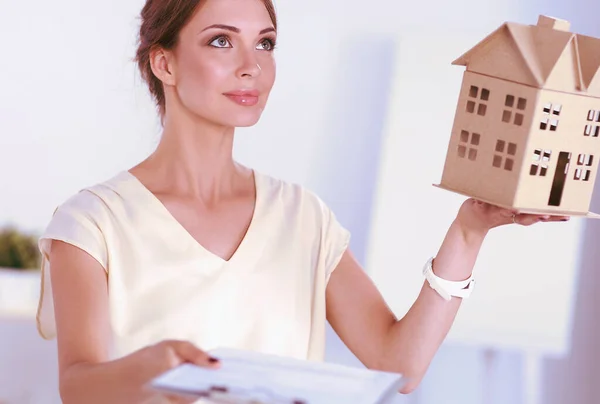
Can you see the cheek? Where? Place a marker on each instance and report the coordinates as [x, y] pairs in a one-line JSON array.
[[201, 80], [268, 71]]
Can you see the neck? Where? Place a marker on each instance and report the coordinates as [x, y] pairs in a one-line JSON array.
[[195, 158]]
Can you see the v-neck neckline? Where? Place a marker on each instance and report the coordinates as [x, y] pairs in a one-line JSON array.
[[244, 247]]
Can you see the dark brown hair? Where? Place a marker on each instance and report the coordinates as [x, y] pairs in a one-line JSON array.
[[162, 21]]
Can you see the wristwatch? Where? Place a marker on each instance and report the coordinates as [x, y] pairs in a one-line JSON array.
[[446, 289]]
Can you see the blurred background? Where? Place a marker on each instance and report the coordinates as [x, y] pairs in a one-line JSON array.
[[363, 88]]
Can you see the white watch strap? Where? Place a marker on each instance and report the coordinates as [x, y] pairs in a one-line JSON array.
[[446, 288]]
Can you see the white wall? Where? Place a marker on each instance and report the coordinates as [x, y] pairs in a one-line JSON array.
[[71, 114], [72, 104]]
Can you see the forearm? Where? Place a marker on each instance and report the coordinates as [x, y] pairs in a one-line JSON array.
[[413, 341], [114, 382]]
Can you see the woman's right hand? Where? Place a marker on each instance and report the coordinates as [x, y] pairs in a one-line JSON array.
[[166, 355], [83, 328]]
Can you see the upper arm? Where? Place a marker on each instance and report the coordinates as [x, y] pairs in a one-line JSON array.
[[357, 311], [80, 295], [354, 307], [74, 296]]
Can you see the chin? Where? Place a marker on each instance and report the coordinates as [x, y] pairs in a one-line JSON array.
[[243, 119], [244, 122], [231, 117]]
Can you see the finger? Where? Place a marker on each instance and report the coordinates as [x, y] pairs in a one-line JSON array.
[[170, 397], [188, 352], [529, 219], [558, 219], [525, 219], [159, 398], [181, 399], [551, 218]]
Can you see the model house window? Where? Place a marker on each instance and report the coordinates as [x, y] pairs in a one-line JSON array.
[[478, 100], [592, 129], [550, 120], [513, 109], [583, 160], [541, 158], [504, 155], [468, 145]]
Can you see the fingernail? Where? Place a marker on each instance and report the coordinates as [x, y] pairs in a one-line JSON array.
[[212, 359]]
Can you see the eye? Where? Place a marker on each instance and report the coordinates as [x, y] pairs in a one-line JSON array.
[[266, 44], [220, 42]]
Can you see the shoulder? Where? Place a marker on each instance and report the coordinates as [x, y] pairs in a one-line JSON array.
[[90, 201], [312, 221], [86, 211], [304, 210], [82, 218], [293, 196]]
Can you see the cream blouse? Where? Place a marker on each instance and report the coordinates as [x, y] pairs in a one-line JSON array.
[[162, 284]]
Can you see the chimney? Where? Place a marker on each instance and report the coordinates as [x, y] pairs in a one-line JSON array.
[[553, 23]]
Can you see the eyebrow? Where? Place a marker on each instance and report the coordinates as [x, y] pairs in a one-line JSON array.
[[235, 29]]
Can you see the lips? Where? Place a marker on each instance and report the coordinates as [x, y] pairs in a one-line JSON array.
[[244, 93], [244, 97]]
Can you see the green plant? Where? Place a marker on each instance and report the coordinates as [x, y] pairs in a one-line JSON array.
[[18, 250]]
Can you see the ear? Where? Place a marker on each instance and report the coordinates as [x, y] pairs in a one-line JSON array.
[[162, 66]]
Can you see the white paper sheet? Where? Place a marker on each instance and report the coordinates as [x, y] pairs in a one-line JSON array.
[[255, 378]]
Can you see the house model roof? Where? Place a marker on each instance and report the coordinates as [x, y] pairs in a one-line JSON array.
[[546, 55]]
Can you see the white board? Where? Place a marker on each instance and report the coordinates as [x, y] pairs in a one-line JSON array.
[[526, 276]]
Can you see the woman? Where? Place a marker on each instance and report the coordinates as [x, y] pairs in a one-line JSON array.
[[189, 250]]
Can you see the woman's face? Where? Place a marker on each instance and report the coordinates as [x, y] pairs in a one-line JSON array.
[[223, 66]]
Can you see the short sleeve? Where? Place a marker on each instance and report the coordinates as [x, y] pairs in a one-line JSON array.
[[76, 222], [335, 240]]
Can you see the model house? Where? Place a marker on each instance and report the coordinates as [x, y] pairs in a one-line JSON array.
[[526, 134]]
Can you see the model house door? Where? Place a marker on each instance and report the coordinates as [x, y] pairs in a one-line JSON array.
[[560, 177]]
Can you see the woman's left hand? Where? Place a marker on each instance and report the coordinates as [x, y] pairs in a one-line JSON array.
[[481, 217]]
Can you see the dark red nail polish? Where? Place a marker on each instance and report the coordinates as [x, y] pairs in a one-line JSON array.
[[212, 360]]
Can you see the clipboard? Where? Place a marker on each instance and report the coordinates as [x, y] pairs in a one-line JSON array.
[[246, 377]]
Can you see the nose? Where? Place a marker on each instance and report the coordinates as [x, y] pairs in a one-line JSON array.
[[249, 66]]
